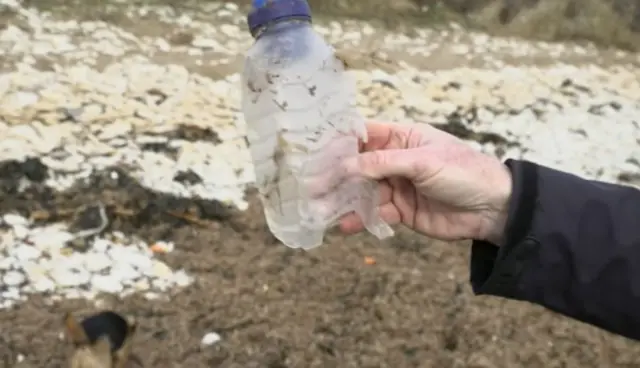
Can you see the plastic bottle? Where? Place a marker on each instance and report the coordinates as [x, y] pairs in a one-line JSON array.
[[299, 107]]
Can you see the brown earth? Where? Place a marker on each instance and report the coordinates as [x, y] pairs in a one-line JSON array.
[[277, 307], [608, 23]]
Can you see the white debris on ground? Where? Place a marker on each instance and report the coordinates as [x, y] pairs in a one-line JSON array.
[[210, 338], [582, 120], [36, 260], [85, 96]]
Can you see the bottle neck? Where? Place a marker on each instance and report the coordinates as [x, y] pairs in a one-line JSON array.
[[281, 25]]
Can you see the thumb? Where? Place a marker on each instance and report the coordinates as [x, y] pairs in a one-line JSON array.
[[385, 163]]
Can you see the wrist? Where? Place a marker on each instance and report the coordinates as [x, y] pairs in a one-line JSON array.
[[495, 228], [498, 214]]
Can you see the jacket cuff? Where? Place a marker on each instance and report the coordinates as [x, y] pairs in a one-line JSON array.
[[495, 270]]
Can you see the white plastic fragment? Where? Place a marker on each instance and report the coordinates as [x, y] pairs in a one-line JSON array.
[[210, 338]]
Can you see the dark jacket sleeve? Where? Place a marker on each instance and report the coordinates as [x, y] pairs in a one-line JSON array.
[[571, 245]]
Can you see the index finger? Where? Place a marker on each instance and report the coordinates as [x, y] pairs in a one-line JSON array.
[[383, 136]]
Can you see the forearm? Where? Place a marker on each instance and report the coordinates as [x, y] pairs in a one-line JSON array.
[[571, 245]]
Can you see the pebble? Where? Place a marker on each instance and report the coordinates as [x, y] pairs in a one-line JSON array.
[[20, 232], [69, 277], [108, 268], [42, 284], [97, 262], [49, 239], [124, 272], [14, 220], [106, 284], [13, 278]]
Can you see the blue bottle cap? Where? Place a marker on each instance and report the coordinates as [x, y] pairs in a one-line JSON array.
[[268, 11]]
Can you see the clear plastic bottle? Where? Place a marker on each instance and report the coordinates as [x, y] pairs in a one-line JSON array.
[[299, 106]]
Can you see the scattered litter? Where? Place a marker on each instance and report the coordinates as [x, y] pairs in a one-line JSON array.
[[162, 247], [211, 338]]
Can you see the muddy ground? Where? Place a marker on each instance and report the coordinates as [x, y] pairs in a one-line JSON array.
[[277, 307]]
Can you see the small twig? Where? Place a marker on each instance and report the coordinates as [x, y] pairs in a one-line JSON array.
[[188, 218], [240, 325], [124, 212], [41, 215]]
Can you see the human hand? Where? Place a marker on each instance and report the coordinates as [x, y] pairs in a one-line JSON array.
[[433, 183]]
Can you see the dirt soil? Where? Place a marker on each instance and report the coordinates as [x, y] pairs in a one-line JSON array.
[[278, 307]]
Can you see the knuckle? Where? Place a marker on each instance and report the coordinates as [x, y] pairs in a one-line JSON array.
[[377, 162], [378, 158]]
